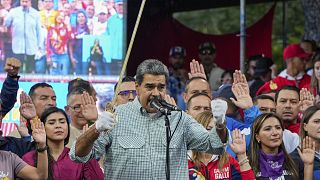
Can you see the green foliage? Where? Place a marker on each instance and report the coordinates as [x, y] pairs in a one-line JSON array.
[[226, 20]]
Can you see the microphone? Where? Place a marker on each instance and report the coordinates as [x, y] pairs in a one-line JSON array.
[[169, 106], [154, 103]]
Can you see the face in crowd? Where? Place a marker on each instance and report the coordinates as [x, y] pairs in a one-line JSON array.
[[127, 92], [266, 105], [43, 98], [287, 105], [196, 86], [198, 104]]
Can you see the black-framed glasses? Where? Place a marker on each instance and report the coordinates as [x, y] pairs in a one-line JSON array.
[[76, 108], [127, 93]]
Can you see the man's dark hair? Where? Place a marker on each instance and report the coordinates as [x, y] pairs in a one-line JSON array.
[[312, 42], [262, 96], [34, 87], [192, 79], [290, 88], [125, 79], [255, 57], [196, 95]]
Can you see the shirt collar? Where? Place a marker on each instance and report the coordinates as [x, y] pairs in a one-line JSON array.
[[143, 111]]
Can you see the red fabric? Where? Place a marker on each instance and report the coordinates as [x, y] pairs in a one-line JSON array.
[[277, 83], [156, 35], [212, 171], [295, 128]]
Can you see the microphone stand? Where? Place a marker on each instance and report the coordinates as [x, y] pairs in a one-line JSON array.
[[168, 136]]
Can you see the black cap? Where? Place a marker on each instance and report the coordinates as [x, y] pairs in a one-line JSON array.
[[262, 66], [207, 46]]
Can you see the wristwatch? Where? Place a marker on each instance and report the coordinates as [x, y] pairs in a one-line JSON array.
[[42, 149]]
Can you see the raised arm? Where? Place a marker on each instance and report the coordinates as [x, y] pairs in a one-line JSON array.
[[41, 171], [196, 70], [84, 144]]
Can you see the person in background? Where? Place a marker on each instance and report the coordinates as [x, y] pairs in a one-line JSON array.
[[76, 46], [25, 24], [59, 36], [315, 78], [96, 57], [48, 14], [210, 167], [60, 166], [227, 77], [250, 66], [293, 75], [310, 125], [310, 47], [269, 158], [265, 103], [207, 55], [178, 75]]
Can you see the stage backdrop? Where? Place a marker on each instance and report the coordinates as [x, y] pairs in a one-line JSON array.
[[157, 34]]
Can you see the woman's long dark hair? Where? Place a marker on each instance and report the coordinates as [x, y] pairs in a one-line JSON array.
[[43, 119], [314, 84], [288, 164]]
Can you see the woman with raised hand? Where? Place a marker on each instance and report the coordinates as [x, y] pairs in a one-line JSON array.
[[310, 125], [268, 156], [57, 128], [11, 166], [210, 167]]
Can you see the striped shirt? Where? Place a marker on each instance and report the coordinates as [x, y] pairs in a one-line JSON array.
[[136, 147]]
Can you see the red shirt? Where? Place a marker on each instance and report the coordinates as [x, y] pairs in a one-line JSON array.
[[301, 81], [231, 170], [295, 128]]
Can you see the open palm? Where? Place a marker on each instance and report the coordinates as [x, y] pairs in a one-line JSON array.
[[238, 144], [88, 106]]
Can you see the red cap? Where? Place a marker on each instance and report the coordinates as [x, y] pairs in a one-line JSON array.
[[294, 50]]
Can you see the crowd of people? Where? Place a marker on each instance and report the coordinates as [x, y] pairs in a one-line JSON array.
[[47, 35], [168, 123]]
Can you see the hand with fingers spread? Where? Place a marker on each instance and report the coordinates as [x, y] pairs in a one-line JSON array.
[[105, 122], [240, 78], [27, 108], [219, 109], [307, 151], [244, 100], [238, 144], [38, 133], [88, 107], [306, 99], [22, 128], [12, 66], [196, 70]]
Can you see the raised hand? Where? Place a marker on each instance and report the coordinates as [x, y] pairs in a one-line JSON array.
[[239, 78], [12, 66], [219, 109], [238, 144], [27, 108], [88, 107], [241, 93], [38, 132], [307, 150], [196, 70], [22, 128], [306, 99]]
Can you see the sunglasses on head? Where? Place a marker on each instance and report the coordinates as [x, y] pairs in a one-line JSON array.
[[127, 93]]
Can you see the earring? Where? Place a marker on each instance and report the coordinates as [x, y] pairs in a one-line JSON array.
[[258, 141]]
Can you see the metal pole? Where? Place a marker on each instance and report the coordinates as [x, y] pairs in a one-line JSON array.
[[242, 34]]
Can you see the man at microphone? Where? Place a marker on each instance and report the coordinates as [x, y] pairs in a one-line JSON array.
[[135, 147]]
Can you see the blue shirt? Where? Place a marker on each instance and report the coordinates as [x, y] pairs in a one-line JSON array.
[[26, 30]]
